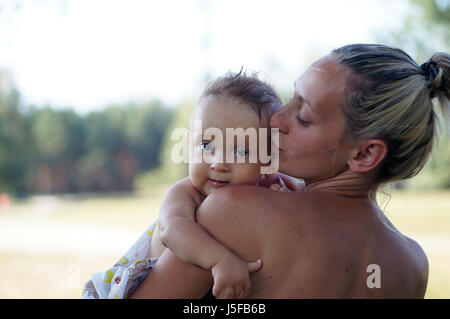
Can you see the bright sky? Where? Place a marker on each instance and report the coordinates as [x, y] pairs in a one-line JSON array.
[[87, 53]]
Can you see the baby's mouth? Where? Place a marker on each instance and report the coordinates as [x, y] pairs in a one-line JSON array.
[[215, 182]]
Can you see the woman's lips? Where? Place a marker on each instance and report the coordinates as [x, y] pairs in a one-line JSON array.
[[214, 182]]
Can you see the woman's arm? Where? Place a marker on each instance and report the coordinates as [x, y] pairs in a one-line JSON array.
[[172, 278]]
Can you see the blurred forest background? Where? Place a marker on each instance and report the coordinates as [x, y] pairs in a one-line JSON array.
[[112, 166], [44, 150]]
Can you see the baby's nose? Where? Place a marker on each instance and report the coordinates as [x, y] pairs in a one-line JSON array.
[[219, 165]]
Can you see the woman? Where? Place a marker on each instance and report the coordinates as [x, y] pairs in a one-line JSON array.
[[360, 117]]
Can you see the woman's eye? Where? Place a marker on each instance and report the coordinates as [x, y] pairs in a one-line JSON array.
[[241, 152], [206, 146], [302, 122]]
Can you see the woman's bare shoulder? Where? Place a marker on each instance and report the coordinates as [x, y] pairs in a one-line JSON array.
[[248, 201], [237, 202], [247, 217], [412, 265]]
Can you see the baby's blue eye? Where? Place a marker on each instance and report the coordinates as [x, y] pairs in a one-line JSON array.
[[206, 146], [241, 152]]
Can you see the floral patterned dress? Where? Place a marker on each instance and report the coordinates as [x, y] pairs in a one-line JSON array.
[[122, 279]]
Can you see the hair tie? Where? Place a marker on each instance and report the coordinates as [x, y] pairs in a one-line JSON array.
[[430, 70]]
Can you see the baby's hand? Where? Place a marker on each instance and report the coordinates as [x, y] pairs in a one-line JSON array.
[[280, 186], [231, 277], [282, 182]]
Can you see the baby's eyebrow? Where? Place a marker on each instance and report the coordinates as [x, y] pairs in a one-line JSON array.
[[198, 137]]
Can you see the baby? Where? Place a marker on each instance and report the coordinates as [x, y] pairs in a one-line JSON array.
[[234, 101]]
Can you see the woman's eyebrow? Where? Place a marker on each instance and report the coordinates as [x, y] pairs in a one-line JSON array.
[[301, 97], [303, 100], [308, 104]]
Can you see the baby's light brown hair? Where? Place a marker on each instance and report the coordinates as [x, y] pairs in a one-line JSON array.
[[247, 89]]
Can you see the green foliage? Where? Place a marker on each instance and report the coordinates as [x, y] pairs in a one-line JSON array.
[[435, 12], [122, 142], [45, 150], [169, 171], [440, 164], [436, 173], [145, 130], [14, 162], [53, 134], [175, 171], [426, 31]]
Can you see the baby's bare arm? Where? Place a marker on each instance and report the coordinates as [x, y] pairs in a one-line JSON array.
[[179, 231], [190, 242]]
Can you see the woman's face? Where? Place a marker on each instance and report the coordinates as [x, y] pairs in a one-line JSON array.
[[312, 124]]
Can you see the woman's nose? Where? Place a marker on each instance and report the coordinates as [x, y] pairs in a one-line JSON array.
[[279, 120]]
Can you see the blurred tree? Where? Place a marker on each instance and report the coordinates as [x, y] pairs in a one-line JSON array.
[[145, 129], [45, 150], [57, 144], [425, 31], [14, 142], [169, 171], [122, 141]]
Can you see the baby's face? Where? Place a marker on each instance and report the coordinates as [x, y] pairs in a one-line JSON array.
[[216, 168]]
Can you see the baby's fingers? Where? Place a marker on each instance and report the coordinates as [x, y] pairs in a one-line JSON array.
[[254, 265], [217, 289], [226, 293], [275, 187], [242, 292], [246, 289]]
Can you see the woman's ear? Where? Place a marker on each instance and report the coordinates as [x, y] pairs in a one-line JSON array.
[[368, 155]]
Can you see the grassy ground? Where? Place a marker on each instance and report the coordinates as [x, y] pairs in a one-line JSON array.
[[425, 217], [50, 245]]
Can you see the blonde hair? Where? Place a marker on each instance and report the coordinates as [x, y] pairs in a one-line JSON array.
[[390, 97]]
